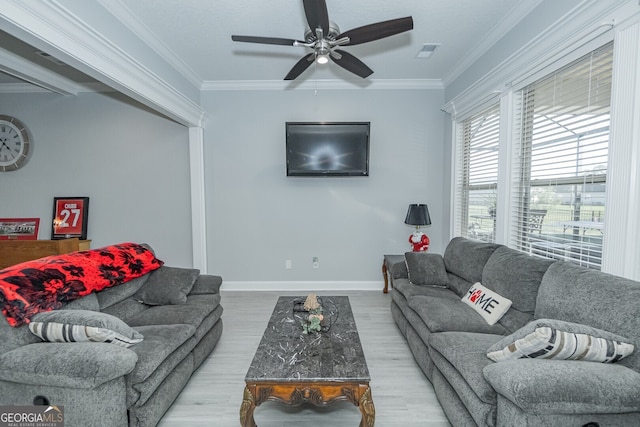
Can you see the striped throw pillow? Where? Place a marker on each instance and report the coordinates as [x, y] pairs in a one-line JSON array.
[[544, 341], [83, 326]]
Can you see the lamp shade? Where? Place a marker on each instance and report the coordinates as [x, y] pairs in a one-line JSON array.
[[418, 215]]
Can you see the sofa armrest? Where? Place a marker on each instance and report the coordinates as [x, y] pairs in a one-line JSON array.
[[540, 386], [206, 284], [73, 365]]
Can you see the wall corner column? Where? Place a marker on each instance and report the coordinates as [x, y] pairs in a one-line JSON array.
[[620, 249], [198, 212]]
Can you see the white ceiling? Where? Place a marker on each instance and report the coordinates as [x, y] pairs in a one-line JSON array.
[[195, 37], [196, 34]]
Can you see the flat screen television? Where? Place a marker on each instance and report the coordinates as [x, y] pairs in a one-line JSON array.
[[327, 148]]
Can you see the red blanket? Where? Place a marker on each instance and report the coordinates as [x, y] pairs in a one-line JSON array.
[[47, 283]]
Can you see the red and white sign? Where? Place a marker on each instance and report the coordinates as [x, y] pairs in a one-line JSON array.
[[69, 217]]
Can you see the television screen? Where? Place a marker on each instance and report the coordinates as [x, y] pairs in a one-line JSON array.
[[327, 149]]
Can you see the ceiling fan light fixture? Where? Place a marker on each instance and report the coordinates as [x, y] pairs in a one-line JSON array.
[[322, 58], [322, 52]]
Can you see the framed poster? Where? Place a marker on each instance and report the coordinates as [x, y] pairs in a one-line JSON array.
[[19, 228], [70, 215]]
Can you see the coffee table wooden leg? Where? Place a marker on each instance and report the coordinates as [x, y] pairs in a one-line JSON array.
[[366, 408], [248, 407]]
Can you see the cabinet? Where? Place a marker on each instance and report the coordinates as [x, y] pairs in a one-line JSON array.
[[16, 251]]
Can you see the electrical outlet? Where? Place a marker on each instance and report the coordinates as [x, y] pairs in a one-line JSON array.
[[287, 264], [316, 262]]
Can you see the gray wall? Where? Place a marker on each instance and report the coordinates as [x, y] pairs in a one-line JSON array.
[[257, 217], [133, 164]]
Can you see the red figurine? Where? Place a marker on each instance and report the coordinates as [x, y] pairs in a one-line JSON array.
[[419, 241]]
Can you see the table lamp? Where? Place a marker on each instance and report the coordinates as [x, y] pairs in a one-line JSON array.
[[418, 215]]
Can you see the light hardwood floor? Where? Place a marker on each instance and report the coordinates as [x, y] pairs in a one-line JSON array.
[[401, 393]]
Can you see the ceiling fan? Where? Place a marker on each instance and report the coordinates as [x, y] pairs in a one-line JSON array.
[[323, 36]]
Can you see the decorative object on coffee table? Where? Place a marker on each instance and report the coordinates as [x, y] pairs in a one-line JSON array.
[[292, 368], [312, 322], [70, 217], [418, 215]]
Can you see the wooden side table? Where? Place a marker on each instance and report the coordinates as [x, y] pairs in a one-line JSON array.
[[390, 269]]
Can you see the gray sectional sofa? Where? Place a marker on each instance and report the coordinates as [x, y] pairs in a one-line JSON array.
[[450, 341], [101, 384]]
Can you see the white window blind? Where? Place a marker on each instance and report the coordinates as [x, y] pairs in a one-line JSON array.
[[478, 174], [562, 155]]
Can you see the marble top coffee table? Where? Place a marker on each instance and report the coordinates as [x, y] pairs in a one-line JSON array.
[[319, 368]]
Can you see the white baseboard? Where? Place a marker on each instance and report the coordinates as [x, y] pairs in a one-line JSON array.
[[315, 286]]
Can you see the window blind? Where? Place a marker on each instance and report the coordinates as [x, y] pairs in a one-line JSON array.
[[562, 156], [478, 174]]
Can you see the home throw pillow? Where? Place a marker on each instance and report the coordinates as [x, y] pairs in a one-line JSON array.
[[426, 269], [83, 326], [488, 304], [555, 339], [167, 285]]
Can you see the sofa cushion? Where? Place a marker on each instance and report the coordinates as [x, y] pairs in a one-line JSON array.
[[191, 314], [164, 347], [459, 357], [160, 342], [63, 365], [516, 276], [207, 284], [589, 297], [126, 309], [88, 302], [464, 351], [82, 326], [466, 258], [555, 339], [112, 296], [488, 304], [404, 287], [448, 314], [566, 386], [425, 269], [167, 285], [46, 283]]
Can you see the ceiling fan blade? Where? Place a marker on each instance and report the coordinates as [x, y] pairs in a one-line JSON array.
[[317, 15], [377, 31], [351, 63], [265, 40], [300, 66]]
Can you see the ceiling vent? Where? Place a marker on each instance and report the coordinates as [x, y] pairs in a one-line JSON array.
[[427, 50]]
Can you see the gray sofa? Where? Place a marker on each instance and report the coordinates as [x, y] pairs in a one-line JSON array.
[[101, 384], [450, 341]]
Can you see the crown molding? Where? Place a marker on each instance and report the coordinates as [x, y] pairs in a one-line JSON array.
[[515, 15], [137, 27], [587, 24], [396, 84], [54, 29]]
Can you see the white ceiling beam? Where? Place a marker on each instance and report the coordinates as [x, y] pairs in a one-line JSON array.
[[15, 65], [51, 27]]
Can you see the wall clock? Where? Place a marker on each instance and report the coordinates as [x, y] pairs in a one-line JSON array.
[[15, 144]]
